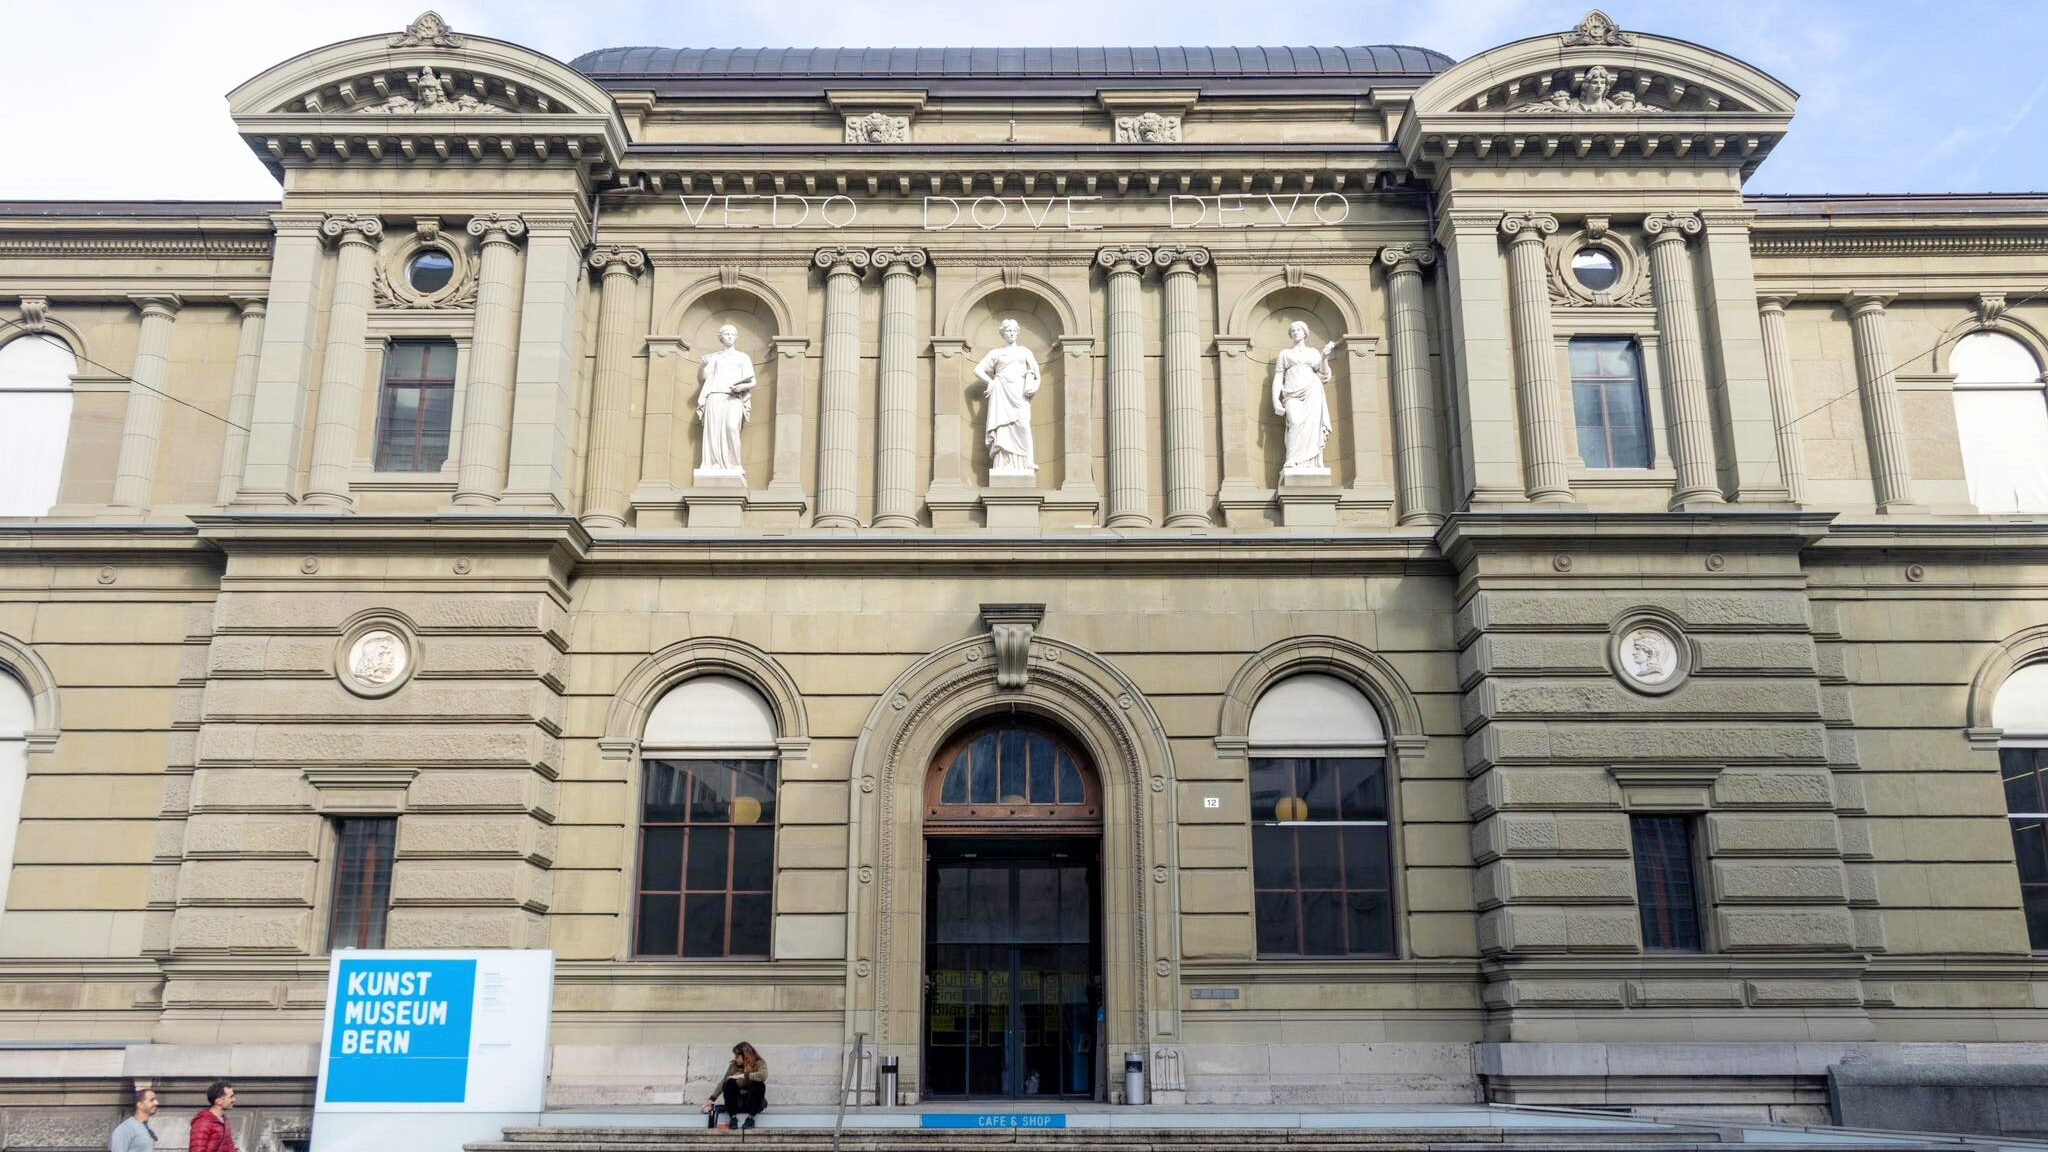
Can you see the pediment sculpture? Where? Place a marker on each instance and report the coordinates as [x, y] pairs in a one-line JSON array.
[[1596, 96], [433, 99], [427, 30], [878, 128], [1148, 128]]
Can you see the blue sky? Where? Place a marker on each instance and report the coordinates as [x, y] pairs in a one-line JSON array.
[[124, 98]]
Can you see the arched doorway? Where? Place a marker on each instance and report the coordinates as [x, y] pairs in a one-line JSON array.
[[1013, 951]]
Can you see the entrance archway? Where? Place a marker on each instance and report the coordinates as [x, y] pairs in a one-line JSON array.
[[1013, 952]]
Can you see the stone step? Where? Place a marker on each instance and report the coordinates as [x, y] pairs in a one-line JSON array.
[[1490, 1139]]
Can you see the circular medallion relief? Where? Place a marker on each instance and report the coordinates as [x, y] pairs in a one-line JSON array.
[[376, 658], [1649, 655]]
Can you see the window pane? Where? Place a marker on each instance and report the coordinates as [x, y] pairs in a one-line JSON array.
[[1322, 924], [710, 792], [1272, 857], [753, 859], [663, 786], [1366, 864], [2036, 902], [1077, 904], [755, 780], [1279, 923], [1592, 422], [2022, 772], [2030, 850], [954, 789], [704, 869], [1316, 853], [658, 917], [661, 860], [1272, 781], [752, 919], [1070, 791], [1627, 426], [1370, 921], [984, 790], [441, 360], [1038, 904], [988, 893], [1043, 770], [704, 925], [362, 882], [1362, 788], [1665, 892], [951, 900], [1015, 763]]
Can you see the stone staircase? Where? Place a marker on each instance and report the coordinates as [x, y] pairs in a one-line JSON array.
[[1593, 1138]]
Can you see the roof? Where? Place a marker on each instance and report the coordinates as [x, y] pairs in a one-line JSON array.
[[1115, 63]]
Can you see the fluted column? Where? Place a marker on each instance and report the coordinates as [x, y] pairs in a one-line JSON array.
[[1543, 451], [1784, 394], [896, 407], [1891, 474], [1187, 489], [604, 477], [839, 387], [341, 369], [234, 450], [1683, 358], [1417, 467], [487, 410], [1126, 391], [142, 429]]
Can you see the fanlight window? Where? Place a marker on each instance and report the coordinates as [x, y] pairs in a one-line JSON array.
[[35, 422], [1011, 772], [2021, 714], [2002, 421]]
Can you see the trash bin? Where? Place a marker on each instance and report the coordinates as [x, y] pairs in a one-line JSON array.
[[885, 1082], [1134, 1077]]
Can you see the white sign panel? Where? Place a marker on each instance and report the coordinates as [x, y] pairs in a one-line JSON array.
[[429, 1049]]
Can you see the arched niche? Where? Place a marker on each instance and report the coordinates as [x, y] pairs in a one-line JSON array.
[[1265, 321], [1042, 323], [759, 320]]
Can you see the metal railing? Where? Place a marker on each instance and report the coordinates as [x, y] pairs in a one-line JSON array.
[[851, 1069]]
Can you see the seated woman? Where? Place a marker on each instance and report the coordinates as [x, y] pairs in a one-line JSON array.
[[743, 1091]]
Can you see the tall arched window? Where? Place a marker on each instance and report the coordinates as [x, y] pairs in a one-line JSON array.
[[35, 422], [707, 823], [1322, 851], [2002, 421], [2021, 712], [17, 716]]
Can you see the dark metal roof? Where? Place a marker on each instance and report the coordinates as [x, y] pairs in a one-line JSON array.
[[1122, 63]]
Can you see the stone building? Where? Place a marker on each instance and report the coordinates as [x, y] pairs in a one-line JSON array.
[[1596, 663]]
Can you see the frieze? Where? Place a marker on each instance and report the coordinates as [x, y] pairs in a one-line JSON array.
[[214, 247]]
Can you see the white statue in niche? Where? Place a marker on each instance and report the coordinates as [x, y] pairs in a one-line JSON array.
[[725, 402], [1300, 379], [377, 658], [1011, 373], [1649, 656]]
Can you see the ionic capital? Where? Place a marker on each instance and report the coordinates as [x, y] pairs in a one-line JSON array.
[[1125, 260], [618, 260], [1185, 258], [362, 230], [1528, 226], [1407, 258], [497, 227], [1666, 226], [1775, 303], [1867, 303], [841, 260], [162, 304], [252, 307], [895, 261]]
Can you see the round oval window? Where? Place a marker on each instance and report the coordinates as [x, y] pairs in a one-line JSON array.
[[429, 271], [1595, 269]]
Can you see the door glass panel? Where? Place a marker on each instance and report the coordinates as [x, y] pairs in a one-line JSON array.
[[1038, 904]]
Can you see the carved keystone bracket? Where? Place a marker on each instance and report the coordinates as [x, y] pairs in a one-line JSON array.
[[1011, 625]]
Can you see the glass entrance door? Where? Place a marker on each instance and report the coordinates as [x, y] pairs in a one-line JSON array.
[[1012, 970]]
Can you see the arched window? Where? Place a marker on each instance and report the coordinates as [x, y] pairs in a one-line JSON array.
[[1014, 772], [707, 823], [2021, 712], [2002, 421], [1322, 851], [17, 716], [35, 422]]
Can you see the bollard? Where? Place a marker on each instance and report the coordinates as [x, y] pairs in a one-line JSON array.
[[885, 1082], [1134, 1077]]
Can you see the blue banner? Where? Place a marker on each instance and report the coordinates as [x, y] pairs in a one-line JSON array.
[[993, 1120], [401, 1031]]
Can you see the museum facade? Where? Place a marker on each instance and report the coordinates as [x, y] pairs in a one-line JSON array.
[[1359, 576]]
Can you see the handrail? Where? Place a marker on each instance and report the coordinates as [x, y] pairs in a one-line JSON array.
[[860, 1043]]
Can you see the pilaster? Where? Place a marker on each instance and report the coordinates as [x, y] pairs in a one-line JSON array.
[[142, 427], [1891, 473], [345, 359], [544, 382], [896, 406], [1128, 503], [1490, 463], [1543, 443], [1684, 360], [604, 484], [839, 387], [234, 450], [487, 410], [1784, 394], [1758, 471], [277, 413], [1187, 489], [1417, 462]]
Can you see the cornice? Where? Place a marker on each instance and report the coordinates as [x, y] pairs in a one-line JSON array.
[[272, 532], [112, 247], [1465, 535], [1766, 242]]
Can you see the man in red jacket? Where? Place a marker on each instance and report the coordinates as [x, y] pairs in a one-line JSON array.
[[210, 1128]]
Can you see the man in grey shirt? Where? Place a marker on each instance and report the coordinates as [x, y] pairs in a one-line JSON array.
[[134, 1134]]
